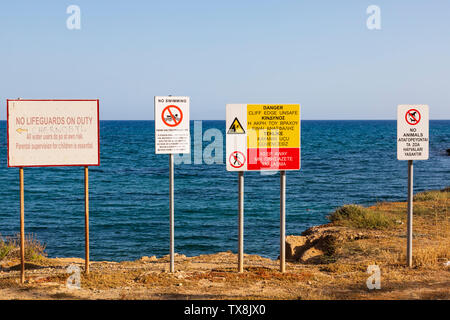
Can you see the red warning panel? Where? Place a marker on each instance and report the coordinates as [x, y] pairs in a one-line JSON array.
[[237, 159], [273, 159]]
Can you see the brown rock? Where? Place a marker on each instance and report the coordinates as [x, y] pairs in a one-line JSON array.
[[148, 259], [311, 255], [295, 245]]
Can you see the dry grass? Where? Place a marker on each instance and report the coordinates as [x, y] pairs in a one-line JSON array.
[[360, 217], [343, 268], [251, 275], [10, 248], [107, 280], [431, 231], [433, 195], [8, 283], [341, 274], [431, 255]]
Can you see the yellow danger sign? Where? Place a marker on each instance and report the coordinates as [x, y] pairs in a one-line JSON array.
[[269, 139], [273, 126], [236, 127]]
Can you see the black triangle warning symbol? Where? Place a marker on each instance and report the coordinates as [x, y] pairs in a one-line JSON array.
[[236, 127]]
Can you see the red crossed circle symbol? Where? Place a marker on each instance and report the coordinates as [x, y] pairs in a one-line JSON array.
[[237, 159], [171, 114], [412, 116]]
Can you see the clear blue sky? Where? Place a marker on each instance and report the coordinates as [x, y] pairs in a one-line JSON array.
[[316, 53]]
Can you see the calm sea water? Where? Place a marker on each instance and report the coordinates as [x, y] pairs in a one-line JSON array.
[[342, 162]]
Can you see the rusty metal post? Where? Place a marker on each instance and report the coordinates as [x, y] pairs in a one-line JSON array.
[[86, 218], [241, 222], [410, 214], [172, 215], [22, 228], [283, 221]]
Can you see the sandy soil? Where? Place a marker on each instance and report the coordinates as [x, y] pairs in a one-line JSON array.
[[215, 277], [327, 262]]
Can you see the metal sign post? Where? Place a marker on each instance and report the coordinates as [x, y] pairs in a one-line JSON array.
[[172, 215], [412, 144], [282, 220], [253, 135], [172, 135], [27, 116], [86, 218], [241, 221], [410, 214], [22, 228]]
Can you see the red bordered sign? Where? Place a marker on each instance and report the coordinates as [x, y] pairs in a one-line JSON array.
[[172, 125], [53, 132]]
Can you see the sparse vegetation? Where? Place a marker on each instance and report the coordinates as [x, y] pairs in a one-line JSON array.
[[429, 256], [10, 248], [431, 231], [360, 217], [386, 215], [108, 280], [433, 195], [357, 238], [5, 248]]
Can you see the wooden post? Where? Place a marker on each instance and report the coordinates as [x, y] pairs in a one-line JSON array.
[[22, 228], [86, 217]]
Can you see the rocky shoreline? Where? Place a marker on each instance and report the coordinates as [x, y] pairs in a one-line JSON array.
[[329, 261]]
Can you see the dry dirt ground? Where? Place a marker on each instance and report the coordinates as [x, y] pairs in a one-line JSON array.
[[338, 269]]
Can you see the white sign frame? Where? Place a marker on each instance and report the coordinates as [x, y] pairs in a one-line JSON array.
[[172, 125], [45, 109], [413, 132]]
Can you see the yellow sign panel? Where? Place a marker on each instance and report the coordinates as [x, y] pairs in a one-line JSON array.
[[273, 126]]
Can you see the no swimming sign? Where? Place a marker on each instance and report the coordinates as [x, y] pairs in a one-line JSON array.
[[172, 125]]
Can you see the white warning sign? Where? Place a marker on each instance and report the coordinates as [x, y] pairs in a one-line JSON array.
[[412, 132], [172, 133], [53, 133]]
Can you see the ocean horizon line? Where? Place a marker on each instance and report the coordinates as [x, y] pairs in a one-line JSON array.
[[369, 120]]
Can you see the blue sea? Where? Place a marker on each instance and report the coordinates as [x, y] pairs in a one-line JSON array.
[[342, 162]]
